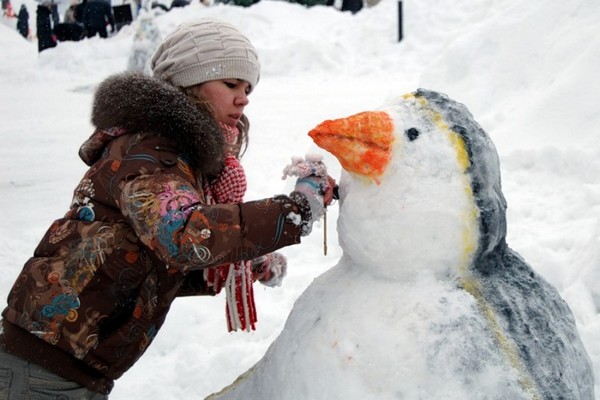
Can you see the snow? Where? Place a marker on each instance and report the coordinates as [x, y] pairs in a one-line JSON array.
[[526, 70]]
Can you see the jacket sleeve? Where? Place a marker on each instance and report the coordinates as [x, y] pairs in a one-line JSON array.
[[167, 214]]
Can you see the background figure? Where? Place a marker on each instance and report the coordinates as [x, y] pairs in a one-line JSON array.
[[179, 3], [70, 29], [23, 21], [70, 14], [45, 31], [352, 5], [79, 10], [7, 9], [97, 14], [54, 9]]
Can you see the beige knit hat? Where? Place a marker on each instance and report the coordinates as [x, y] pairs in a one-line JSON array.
[[205, 50]]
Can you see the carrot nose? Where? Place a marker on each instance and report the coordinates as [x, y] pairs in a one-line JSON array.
[[362, 142]]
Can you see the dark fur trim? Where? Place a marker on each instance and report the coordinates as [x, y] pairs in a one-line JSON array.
[[139, 103]]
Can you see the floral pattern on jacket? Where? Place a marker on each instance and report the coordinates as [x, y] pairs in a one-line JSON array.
[[138, 232]]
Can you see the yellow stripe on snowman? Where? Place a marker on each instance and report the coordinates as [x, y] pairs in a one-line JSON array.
[[469, 282]]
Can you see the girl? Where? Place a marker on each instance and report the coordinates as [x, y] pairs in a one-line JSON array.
[[159, 214]]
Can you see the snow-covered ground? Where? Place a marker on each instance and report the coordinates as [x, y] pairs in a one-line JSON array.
[[526, 70]]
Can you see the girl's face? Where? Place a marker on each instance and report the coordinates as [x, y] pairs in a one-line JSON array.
[[227, 97]]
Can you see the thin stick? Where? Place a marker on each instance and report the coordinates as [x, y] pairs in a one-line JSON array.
[[325, 233]]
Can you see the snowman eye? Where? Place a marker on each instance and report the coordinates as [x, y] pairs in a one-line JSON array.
[[412, 133]]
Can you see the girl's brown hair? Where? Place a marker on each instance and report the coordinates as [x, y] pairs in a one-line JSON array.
[[243, 125]]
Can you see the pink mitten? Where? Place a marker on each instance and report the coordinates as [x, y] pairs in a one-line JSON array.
[[270, 269]]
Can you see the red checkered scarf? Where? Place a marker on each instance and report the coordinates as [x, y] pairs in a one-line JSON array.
[[230, 187]]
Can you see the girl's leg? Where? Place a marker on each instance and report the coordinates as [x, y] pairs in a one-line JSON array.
[[13, 371]]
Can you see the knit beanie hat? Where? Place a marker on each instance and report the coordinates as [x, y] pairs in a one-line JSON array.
[[205, 50]]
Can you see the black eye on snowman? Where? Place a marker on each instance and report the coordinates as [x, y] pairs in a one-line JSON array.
[[412, 133]]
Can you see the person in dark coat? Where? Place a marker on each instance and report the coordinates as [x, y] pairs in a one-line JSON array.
[[23, 21], [79, 10], [55, 17], [353, 6], [97, 14], [45, 31], [70, 29], [179, 3]]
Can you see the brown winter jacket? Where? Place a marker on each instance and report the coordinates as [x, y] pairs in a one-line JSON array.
[[138, 234]]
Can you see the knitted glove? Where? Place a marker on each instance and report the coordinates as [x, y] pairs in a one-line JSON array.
[[269, 269], [313, 190]]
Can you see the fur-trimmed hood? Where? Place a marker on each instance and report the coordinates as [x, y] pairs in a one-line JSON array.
[[136, 103]]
